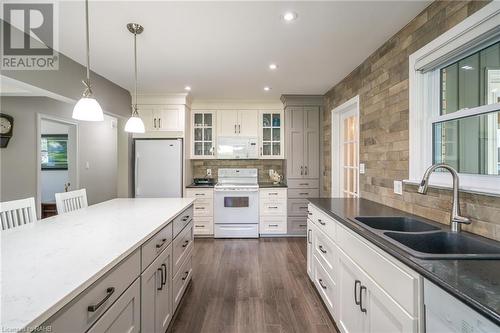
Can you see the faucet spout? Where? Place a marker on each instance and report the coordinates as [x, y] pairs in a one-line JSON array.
[[456, 219]]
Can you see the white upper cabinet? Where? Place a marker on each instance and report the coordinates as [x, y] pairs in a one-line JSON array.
[[227, 122], [203, 134], [162, 118], [248, 123], [271, 134], [238, 123]]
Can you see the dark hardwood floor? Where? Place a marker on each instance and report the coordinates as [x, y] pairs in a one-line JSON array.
[[257, 285]]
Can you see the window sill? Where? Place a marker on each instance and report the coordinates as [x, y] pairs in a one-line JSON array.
[[449, 186]]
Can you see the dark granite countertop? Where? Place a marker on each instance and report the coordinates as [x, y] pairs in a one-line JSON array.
[[475, 282], [193, 185], [271, 185]]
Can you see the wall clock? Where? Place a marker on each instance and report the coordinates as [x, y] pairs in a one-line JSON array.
[[6, 127]]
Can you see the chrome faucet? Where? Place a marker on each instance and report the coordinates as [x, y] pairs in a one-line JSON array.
[[456, 219]]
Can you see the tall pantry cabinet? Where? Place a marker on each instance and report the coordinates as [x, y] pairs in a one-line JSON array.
[[302, 133]]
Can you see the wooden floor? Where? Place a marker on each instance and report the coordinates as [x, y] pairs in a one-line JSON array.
[[257, 285]]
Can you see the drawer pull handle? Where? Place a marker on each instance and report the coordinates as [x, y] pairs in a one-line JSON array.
[[186, 242], [185, 218], [164, 267], [321, 222], [273, 193], [303, 207], [272, 207], [304, 193], [356, 291], [160, 245], [361, 299], [198, 225], [109, 292], [161, 278], [273, 225], [309, 213], [200, 194], [304, 184], [321, 249], [185, 276], [200, 208], [321, 283]]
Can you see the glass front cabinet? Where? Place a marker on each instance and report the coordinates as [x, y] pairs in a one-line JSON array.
[[203, 134], [271, 134]]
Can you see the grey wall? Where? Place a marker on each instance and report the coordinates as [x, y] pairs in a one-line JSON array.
[[98, 145]]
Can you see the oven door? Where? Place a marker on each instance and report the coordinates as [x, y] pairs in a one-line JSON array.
[[236, 206]]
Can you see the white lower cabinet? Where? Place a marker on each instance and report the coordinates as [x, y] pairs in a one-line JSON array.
[[203, 210], [272, 212], [364, 288], [156, 298]]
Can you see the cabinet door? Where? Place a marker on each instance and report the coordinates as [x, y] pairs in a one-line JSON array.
[[350, 318], [169, 119], [295, 142], [147, 116], [248, 123], [310, 248], [227, 122], [311, 142], [271, 134], [203, 134]]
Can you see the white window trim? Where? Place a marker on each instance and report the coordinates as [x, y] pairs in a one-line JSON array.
[[470, 33]]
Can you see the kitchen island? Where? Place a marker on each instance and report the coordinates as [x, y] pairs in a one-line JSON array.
[[48, 267]]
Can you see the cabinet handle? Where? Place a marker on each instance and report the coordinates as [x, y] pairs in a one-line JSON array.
[[301, 171], [164, 267], [273, 193], [186, 242], [304, 193], [199, 226], [109, 292], [302, 225], [260, 151], [185, 218], [273, 225], [309, 213], [198, 208], [159, 122], [161, 278], [308, 236], [186, 276], [272, 207], [234, 128], [304, 184], [321, 283], [321, 222], [321, 249], [160, 245], [239, 129], [303, 207], [154, 121], [199, 194], [356, 291], [361, 299], [306, 171]]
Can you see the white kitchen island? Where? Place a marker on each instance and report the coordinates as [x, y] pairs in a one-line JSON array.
[[51, 266]]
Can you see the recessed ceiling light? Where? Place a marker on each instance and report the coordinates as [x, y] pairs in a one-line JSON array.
[[266, 88], [467, 67], [273, 66], [187, 88], [289, 16]]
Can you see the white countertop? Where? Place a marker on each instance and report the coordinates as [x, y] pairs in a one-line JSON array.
[[46, 264]]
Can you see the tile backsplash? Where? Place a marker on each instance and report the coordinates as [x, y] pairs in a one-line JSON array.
[[200, 167]]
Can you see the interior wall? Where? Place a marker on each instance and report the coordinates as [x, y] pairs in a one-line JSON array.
[[97, 145], [381, 82]]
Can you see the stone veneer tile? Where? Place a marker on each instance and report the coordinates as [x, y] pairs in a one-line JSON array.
[[199, 167]]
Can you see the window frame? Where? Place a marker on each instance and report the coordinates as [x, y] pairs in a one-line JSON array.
[[425, 65]]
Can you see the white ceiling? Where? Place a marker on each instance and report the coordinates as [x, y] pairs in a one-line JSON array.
[[223, 49]]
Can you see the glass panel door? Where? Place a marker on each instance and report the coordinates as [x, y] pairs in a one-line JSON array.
[[349, 155], [203, 134], [271, 134]]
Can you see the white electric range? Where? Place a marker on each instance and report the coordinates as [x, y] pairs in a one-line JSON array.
[[236, 204]]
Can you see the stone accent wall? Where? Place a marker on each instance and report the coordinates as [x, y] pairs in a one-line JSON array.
[[200, 167], [381, 82]]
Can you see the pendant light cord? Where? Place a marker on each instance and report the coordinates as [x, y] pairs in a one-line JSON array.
[[134, 111], [88, 91]]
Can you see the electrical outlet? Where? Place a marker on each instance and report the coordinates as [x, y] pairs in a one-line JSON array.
[[398, 187], [209, 172], [87, 165], [362, 168]]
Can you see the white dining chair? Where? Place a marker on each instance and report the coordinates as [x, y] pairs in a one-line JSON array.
[[70, 201], [17, 213]]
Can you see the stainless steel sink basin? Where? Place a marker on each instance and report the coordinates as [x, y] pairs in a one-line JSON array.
[[446, 245], [395, 223]]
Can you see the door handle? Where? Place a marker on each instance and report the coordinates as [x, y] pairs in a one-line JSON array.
[[164, 267], [94, 308], [186, 242], [159, 122], [356, 291], [161, 278], [185, 276], [361, 299]]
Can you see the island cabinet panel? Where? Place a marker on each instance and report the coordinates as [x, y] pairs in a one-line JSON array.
[[182, 220], [82, 312], [124, 315], [181, 280], [155, 245], [182, 246]]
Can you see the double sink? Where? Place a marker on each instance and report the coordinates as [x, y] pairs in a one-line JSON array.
[[427, 241]]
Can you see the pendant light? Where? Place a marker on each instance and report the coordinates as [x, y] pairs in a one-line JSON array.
[[87, 108], [134, 123]]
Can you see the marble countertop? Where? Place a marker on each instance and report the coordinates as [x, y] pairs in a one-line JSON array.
[[475, 282], [272, 185], [47, 263]]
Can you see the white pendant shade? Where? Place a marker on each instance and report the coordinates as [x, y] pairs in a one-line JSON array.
[[134, 125], [88, 109]]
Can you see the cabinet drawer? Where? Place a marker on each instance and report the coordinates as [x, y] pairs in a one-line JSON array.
[[181, 246], [273, 207], [153, 247], [322, 221], [325, 285], [76, 317], [396, 279], [303, 193], [326, 252], [297, 207], [181, 280], [272, 225], [182, 220], [302, 183], [297, 226], [200, 193], [203, 225], [204, 207], [123, 316], [272, 193]]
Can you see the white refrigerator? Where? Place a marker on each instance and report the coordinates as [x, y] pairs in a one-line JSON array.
[[158, 168]]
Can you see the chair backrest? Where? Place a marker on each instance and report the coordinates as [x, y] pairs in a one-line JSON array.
[[17, 212], [70, 201]]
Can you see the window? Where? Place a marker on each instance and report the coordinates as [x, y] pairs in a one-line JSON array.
[[54, 151], [455, 104]]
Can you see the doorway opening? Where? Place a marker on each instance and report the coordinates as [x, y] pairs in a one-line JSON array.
[[57, 166], [345, 150]]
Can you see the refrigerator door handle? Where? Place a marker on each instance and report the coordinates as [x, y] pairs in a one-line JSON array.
[[136, 174]]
